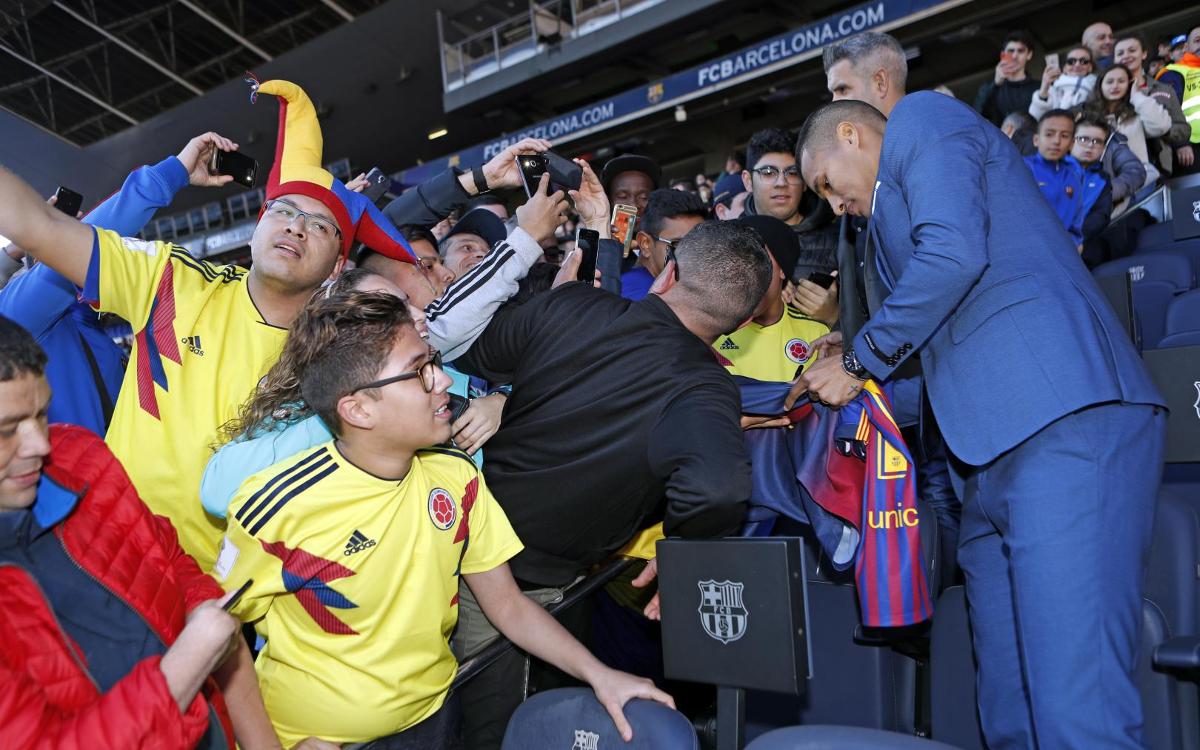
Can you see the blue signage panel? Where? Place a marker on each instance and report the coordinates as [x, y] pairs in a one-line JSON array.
[[772, 54]]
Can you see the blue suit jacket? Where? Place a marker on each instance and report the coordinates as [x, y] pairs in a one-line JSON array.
[[986, 286]]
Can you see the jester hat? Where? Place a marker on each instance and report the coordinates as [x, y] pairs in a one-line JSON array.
[[298, 170]]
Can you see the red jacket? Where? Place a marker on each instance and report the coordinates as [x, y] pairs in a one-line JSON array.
[[47, 698]]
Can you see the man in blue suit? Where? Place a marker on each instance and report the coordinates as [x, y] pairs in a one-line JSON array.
[[1055, 426]]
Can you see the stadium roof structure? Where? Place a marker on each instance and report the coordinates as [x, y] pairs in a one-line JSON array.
[[87, 69]]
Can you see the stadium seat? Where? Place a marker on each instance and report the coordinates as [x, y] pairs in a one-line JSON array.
[[1185, 338], [841, 738], [572, 717], [1154, 236], [1150, 302], [1170, 267], [1183, 314], [1189, 249]]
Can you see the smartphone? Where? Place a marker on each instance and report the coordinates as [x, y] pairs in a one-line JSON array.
[[244, 169], [233, 600], [587, 242], [532, 167], [564, 174], [68, 201], [379, 183], [1052, 60], [823, 280], [624, 222]]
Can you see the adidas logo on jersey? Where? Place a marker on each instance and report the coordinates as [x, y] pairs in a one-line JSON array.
[[728, 345], [358, 542], [193, 345]]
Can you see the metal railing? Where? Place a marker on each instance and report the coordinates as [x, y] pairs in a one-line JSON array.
[[516, 39], [571, 596]]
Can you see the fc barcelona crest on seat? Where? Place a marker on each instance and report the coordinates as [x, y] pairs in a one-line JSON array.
[[722, 611]]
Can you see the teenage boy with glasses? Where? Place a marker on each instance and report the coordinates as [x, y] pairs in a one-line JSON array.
[[354, 549], [776, 189]]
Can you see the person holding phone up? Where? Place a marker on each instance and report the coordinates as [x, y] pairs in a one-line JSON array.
[[1011, 89]]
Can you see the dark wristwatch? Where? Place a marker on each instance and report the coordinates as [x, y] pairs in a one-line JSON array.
[[852, 366], [480, 181]]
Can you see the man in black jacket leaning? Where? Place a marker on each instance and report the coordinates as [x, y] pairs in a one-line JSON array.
[[620, 417]]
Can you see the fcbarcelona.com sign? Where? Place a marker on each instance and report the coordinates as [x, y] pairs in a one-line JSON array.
[[781, 51]]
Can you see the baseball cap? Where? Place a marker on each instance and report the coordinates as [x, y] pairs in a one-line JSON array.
[[631, 163], [780, 240], [727, 188], [483, 223]]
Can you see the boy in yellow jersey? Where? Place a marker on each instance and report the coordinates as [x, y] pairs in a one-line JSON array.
[[777, 344], [353, 550]]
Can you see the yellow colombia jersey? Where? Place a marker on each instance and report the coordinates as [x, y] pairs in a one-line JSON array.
[[356, 586], [199, 351], [772, 353]]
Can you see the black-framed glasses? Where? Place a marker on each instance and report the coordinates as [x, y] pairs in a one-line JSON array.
[[791, 174], [426, 372], [286, 212], [1084, 140], [671, 258], [1079, 61]]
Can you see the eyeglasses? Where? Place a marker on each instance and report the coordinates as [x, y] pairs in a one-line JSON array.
[[1079, 61], [792, 174], [670, 243], [1084, 140], [315, 225], [671, 258], [427, 372]]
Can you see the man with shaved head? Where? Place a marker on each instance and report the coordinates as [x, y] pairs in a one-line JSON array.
[[971, 268], [1098, 37]]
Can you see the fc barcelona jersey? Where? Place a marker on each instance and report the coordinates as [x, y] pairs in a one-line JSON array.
[[355, 585]]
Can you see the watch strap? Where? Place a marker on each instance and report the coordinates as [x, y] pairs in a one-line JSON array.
[[480, 181]]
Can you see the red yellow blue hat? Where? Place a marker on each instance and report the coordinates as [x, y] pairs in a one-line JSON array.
[[298, 170]]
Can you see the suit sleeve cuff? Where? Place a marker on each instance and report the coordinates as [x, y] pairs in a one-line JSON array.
[[879, 362]]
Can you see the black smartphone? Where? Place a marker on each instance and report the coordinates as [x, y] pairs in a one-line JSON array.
[[532, 167], [244, 169], [823, 280], [564, 174], [232, 600], [68, 201], [587, 241], [379, 183]]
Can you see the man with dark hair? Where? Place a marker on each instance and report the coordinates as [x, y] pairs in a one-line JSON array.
[[112, 631], [776, 189], [870, 67], [583, 459], [971, 264], [629, 179], [1010, 89], [669, 215]]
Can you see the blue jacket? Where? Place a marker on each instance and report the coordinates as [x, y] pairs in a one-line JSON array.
[[45, 303], [1061, 182], [1097, 201], [985, 285]]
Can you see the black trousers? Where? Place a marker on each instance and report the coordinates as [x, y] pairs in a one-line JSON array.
[[442, 731]]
